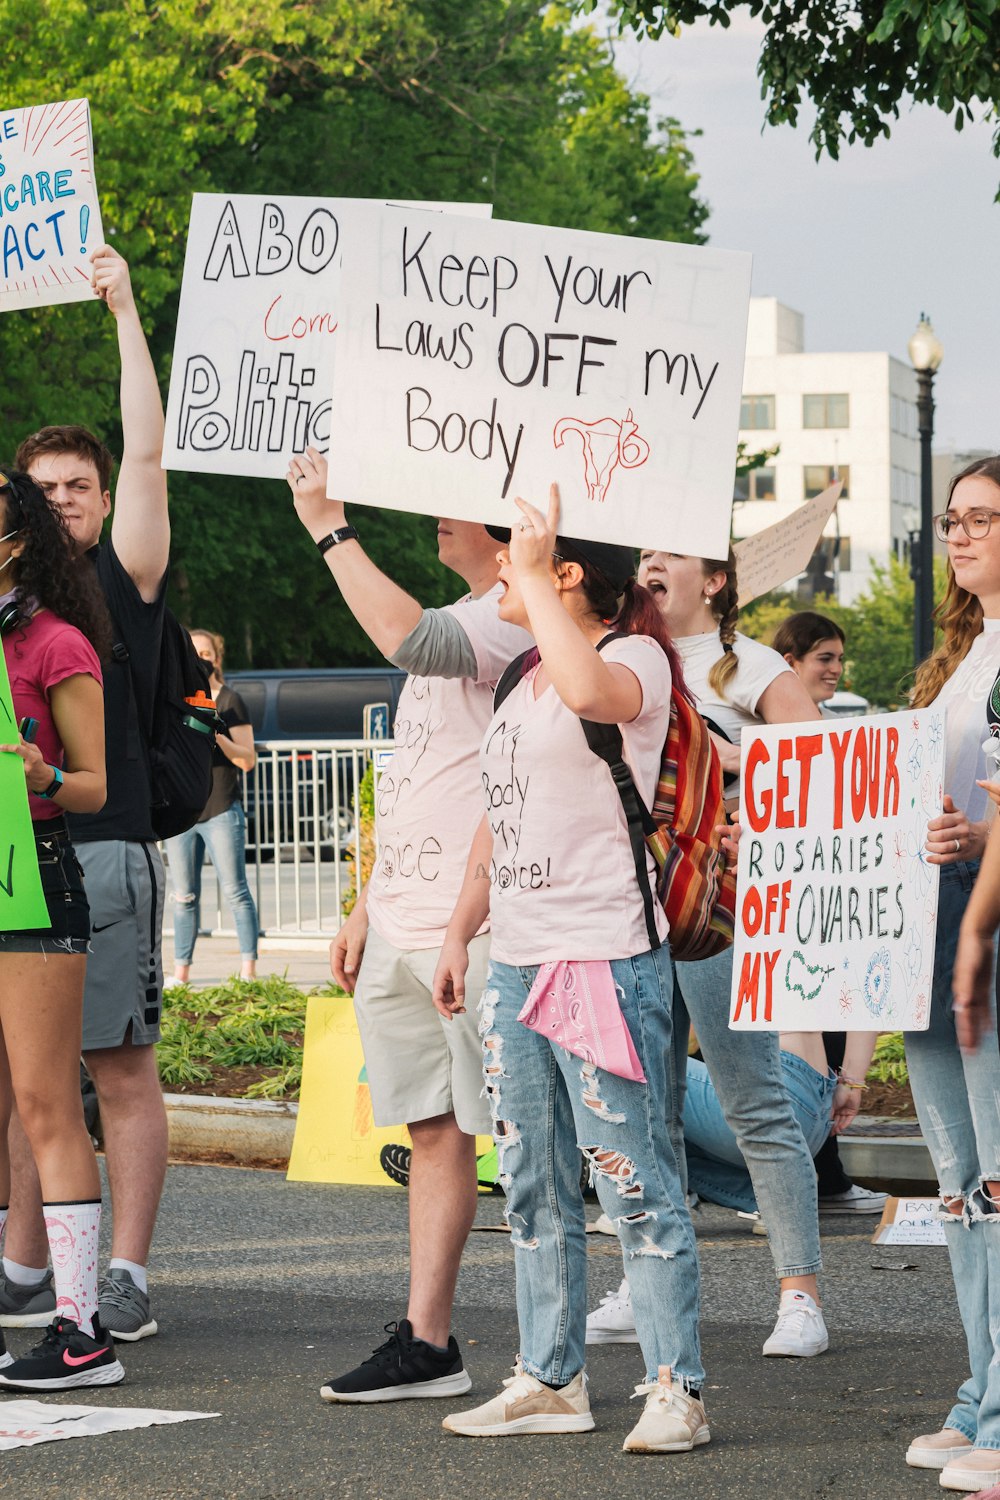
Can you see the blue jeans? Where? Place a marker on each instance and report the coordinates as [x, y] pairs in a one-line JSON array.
[[547, 1107], [716, 1169], [225, 838], [746, 1069], [957, 1096]]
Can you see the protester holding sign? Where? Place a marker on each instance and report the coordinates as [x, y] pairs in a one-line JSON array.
[[54, 624], [955, 1091], [420, 1071], [735, 682], [116, 846], [553, 865]]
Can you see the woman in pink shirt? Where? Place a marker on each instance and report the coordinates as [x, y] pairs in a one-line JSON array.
[[54, 624], [553, 864]]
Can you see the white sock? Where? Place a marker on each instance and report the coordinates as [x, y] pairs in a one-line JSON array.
[[3, 1218], [23, 1275], [72, 1229], [137, 1272]]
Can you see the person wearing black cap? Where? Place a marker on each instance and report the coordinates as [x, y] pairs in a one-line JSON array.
[[576, 1014]]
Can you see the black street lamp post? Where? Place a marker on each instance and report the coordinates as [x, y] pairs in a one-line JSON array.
[[925, 356]]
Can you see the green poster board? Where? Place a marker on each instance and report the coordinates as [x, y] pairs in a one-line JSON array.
[[22, 902]]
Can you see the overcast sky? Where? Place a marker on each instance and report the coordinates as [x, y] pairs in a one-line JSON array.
[[860, 246]]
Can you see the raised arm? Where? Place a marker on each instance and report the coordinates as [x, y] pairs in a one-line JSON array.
[[140, 529], [386, 613]]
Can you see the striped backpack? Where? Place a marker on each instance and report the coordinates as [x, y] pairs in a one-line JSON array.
[[693, 885]]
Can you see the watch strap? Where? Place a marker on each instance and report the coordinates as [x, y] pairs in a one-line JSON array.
[[55, 785], [334, 538]]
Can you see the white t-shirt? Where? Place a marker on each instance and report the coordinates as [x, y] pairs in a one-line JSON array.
[[758, 667], [562, 879], [428, 801], [964, 697]]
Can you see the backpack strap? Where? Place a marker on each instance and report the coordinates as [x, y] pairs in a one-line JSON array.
[[511, 677], [605, 740]]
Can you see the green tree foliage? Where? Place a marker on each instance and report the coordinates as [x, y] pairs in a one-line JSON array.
[[452, 99], [858, 62]]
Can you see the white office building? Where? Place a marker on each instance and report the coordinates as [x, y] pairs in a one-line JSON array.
[[852, 416]]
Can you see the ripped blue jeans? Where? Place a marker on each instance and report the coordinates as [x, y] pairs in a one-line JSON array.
[[957, 1096], [547, 1107]]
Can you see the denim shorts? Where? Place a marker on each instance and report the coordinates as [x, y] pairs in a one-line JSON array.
[[62, 885]]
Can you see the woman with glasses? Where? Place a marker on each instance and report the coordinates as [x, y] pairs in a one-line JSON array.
[[956, 1089], [55, 627]]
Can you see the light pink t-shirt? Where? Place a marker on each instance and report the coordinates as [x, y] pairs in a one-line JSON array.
[[562, 879], [429, 800]]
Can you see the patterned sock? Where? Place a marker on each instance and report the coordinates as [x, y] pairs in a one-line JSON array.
[[137, 1272], [72, 1230]]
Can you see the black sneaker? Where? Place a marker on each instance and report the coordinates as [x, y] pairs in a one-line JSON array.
[[401, 1368], [26, 1306], [395, 1163], [65, 1359]]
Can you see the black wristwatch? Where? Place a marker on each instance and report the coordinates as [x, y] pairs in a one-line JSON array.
[[55, 785], [333, 538]]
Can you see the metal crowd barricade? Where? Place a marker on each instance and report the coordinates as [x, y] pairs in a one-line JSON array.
[[304, 840]]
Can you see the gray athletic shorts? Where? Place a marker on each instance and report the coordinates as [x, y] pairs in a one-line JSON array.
[[124, 884], [419, 1065]]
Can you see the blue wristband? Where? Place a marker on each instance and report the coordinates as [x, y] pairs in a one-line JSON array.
[[55, 785]]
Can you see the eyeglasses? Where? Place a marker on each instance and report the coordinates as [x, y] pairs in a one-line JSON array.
[[975, 523]]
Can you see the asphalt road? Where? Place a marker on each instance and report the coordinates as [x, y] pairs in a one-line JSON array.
[[263, 1289]]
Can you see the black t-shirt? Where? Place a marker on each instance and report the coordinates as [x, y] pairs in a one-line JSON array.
[[139, 627], [225, 776]]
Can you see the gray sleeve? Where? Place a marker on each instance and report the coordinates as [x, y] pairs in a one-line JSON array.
[[437, 646]]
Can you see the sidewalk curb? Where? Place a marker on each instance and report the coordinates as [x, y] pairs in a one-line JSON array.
[[246, 1129]]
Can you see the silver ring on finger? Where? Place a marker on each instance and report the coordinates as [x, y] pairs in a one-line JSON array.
[[524, 526], [958, 846], [299, 478]]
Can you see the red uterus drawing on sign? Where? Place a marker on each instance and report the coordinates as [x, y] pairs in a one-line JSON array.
[[607, 445]]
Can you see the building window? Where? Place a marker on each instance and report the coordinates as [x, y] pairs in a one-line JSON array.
[[903, 416], [819, 477], [757, 412], [757, 485], [826, 411]]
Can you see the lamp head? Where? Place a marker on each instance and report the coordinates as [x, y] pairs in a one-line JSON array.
[[924, 347]]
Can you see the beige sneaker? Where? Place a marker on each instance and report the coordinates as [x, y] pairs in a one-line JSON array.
[[672, 1421], [526, 1405], [978, 1469], [935, 1449]]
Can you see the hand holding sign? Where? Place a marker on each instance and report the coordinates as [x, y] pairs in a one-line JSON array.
[[533, 538], [22, 902]]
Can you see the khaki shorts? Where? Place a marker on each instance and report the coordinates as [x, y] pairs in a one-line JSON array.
[[419, 1065]]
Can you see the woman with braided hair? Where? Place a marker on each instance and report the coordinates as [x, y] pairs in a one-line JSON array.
[[736, 681]]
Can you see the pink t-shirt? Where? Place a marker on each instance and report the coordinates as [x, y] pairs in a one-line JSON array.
[[562, 879], [428, 801], [40, 655]]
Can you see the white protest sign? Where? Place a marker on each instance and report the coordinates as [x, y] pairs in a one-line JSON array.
[[253, 350], [782, 551], [25, 1423], [910, 1221], [836, 906], [49, 213], [479, 361]]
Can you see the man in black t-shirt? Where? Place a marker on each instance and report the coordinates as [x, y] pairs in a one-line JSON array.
[[122, 866]]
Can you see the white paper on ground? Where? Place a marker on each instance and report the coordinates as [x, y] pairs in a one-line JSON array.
[[24, 1423]]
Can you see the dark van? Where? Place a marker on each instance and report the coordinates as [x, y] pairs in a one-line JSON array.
[[307, 704]]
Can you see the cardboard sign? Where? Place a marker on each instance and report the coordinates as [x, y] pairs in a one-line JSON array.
[[253, 352], [336, 1138], [910, 1221], [22, 902], [49, 214], [836, 905], [771, 557], [480, 361]]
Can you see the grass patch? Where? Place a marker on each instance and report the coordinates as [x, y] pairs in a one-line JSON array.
[[889, 1063], [244, 1024]]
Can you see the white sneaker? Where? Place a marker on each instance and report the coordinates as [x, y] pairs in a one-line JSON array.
[[613, 1322], [935, 1450], [603, 1225], [856, 1200], [526, 1405], [672, 1421], [800, 1331]]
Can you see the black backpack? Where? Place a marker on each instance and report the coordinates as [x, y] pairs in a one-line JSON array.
[[182, 742]]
